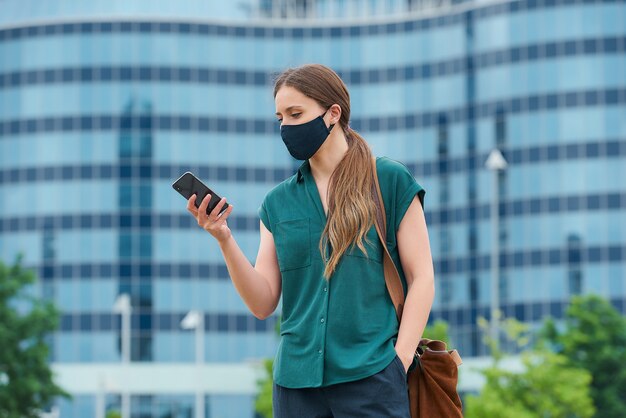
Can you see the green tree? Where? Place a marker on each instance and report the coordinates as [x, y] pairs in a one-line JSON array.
[[594, 337], [547, 387], [263, 404], [26, 381], [438, 330]]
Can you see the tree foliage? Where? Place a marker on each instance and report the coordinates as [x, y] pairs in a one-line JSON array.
[[263, 403], [593, 337], [438, 330], [548, 386], [26, 381]]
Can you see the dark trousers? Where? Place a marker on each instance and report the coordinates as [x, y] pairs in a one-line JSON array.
[[379, 396]]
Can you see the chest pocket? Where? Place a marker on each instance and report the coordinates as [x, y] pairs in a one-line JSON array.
[[374, 248], [293, 244]]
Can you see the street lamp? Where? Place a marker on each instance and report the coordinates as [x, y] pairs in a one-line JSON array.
[[100, 399], [495, 162], [122, 306], [104, 385], [195, 320]]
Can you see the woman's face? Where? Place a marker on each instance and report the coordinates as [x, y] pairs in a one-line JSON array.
[[294, 108]]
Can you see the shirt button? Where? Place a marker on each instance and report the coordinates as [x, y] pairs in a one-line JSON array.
[[322, 321], [325, 289], [320, 351]]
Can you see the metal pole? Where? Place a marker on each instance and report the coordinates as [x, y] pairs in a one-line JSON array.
[[126, 359], [199, 360], [195, 319], [126, 336], [100, 404], [200, 338], [123, 306], [495, 162], [495, 265]]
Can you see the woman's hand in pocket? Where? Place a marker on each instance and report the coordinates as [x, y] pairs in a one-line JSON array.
[[406, 360]]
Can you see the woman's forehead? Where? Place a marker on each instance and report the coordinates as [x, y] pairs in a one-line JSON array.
[[288, 97]]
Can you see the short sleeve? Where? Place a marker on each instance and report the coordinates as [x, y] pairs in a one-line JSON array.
[[265, 216], [406, 189]]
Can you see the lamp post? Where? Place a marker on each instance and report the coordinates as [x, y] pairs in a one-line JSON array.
[[100, 399], [495, 162], [105, 385], [122, 306], [195, 320]]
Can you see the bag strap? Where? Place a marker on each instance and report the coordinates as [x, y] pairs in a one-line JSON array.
[[392, 277]]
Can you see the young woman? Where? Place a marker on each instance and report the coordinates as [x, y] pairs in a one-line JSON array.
[[342, 352]]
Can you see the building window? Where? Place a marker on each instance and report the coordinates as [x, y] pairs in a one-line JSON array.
[[504, 288], [47, 243], [473, 238], [575, 279], [287, 8], [445, 241], [473, 289], [442, 136], [135, 140], [444, 191], [574, 244], [574, 267], [446, 291], [500, 128], [472, 187]]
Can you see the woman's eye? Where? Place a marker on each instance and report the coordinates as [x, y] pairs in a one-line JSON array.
[[292, 115]]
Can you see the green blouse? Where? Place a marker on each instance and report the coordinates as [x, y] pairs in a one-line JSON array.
[[342, 329]]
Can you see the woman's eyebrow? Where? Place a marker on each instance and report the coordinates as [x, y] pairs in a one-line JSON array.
[[289, 108]]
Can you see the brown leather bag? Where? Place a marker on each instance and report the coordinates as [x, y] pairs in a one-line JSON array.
[[432, 383]]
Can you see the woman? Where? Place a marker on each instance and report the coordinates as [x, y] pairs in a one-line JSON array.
[[342, 352]]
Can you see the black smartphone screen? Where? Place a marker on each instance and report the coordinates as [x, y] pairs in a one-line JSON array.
[[188, 185]]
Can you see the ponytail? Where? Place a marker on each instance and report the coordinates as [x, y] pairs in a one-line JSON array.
[[351, 209]]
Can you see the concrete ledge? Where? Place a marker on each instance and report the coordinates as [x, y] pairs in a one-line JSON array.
[[470, 378], [214, 378], [159, 378]]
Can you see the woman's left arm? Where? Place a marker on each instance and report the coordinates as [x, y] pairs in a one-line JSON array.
[[417, 263]]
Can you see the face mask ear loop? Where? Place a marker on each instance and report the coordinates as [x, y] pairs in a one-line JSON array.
[[332, 125]]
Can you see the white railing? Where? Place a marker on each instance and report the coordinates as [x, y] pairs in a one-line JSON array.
[[340, 9]]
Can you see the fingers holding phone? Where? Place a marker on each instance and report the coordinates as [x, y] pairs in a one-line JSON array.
[[211, 212], [215, 221], [191, 206]]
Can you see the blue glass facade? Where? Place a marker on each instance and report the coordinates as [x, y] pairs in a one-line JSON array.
[[100, 112]]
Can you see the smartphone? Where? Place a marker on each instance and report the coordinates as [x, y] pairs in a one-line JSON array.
[[188, 185]]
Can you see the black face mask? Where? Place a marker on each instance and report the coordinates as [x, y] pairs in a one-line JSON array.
[[304, 140]]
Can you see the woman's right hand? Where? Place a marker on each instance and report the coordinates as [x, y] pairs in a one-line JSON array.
[[214, 223]]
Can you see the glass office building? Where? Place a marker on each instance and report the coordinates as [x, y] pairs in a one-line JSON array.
[[104, 103]]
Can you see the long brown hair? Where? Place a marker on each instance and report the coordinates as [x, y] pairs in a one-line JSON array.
[[351, 209]]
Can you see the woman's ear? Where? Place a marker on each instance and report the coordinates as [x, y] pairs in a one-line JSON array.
[[335, 113]]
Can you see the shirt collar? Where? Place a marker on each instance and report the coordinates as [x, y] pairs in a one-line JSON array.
[[304, 170]]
